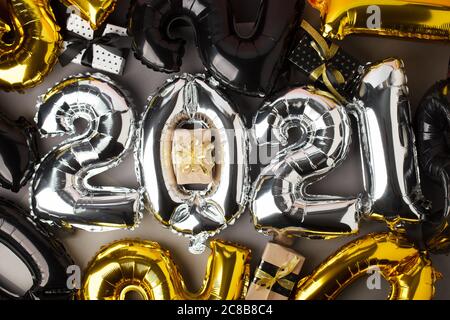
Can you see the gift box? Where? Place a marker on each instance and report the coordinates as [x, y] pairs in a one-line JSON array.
[[192, 156], [277, 273], [324, 62], [105, 49]]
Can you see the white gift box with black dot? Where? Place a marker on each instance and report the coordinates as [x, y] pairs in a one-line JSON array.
[[102, 59]]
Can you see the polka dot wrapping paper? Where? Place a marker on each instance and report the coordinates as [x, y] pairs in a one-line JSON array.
[[103, 59], [315, 56]]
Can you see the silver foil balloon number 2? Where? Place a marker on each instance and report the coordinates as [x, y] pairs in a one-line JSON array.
[[60, 191], [280, 203]]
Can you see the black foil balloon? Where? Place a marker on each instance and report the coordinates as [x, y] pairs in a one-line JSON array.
[[45, 257], [18, 152], [433, 149], [250, 65]]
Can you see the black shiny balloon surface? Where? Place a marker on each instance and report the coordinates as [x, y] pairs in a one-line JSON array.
[[45, 258], [18, 152], [249, 65], [433, 147]]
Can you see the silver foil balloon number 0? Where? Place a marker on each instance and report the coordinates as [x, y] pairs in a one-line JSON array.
[[193, 159], [60, 192]]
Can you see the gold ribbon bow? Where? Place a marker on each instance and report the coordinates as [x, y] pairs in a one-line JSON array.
[[196, 156], [325, 52], [266, 280]]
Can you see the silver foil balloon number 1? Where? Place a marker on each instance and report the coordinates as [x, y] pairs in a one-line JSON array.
[[280, 203], [193, 159], [387, 142], [60, 192]]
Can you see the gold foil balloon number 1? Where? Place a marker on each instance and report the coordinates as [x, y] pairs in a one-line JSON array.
[[423, 19], [144, 268], [30, 40]]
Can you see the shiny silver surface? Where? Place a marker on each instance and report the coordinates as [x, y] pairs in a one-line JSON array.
[[60, 192], [280, 203], [388, 152], [321, 132], [192, 101]]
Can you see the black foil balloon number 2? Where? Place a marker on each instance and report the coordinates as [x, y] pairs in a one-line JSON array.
[[250, 65], [45, 258]]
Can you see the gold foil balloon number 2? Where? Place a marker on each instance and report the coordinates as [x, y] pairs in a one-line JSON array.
[[30, 43], [144, 268]]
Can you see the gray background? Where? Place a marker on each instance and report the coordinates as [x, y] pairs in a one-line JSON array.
[[426, 62]]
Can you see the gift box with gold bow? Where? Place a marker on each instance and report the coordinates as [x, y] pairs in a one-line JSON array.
[[277, 274], [324, 62]]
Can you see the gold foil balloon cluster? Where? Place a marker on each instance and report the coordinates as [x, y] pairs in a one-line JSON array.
[[30, 41], [422, 19], [144, 268]]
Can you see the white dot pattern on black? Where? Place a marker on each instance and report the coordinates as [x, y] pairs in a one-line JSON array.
[[103, 59]]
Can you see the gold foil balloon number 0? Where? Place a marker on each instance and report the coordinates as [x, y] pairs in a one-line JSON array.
[[30, 40], [144, 268]]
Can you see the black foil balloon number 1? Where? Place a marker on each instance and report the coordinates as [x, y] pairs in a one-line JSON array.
[[45, 258], [18, 152], [250, 65]]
